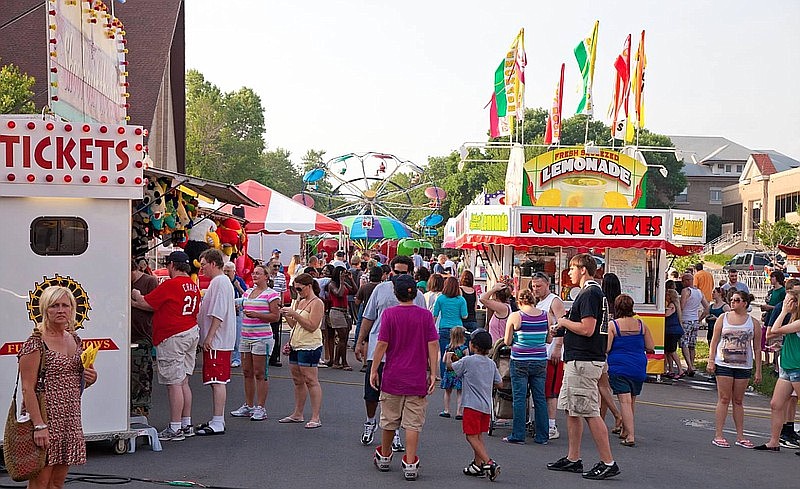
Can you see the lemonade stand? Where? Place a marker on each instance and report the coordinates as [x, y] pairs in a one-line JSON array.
[[568, 201]]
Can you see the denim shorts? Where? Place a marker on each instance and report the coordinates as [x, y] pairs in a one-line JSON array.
[[624, 385], [736, 373], [371, 394], [792, 375], [305, 358]]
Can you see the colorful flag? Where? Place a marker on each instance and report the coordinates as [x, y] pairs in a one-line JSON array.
[[553, 133], [637, 87], [622, 65], [509, 89], [514, 73], [585, 54]]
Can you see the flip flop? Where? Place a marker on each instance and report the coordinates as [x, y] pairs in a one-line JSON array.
[[617, 430], [208, 431], [347, 368], [313, 424], [765, 448], [627, 443], [720, 442], [745, 444], [289, 419]]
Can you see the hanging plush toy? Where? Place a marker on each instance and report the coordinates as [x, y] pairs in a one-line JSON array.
[[157, 207], [230, 236]]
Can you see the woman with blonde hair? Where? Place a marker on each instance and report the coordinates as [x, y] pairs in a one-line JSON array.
[[672, 334], [789, 375], [58, 430], [305, 348]]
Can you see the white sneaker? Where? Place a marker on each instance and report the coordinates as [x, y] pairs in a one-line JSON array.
[[168, 434], [369, 433], [243, 412], [397, 445], [382, 463], [410, 471], [553, 433], [258, 413]]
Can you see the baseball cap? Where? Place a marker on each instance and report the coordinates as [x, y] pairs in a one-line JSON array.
[[276, 250], [481, 339], [177, 257], [340, 253], [403, 283]]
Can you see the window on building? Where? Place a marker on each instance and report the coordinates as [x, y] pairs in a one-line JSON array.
[[59, 236], [785, 204], [715, 195], [728, 168], [683, 196], [739, 168]]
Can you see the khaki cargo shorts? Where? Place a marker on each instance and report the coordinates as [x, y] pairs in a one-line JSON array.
[[579, 395], [175, 356], [407, 412]]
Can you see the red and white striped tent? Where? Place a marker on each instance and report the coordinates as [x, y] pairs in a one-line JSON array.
[[280, 214]]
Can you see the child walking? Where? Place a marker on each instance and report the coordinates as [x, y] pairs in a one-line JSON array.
[[478, 374], [458, 347], [409, 339]]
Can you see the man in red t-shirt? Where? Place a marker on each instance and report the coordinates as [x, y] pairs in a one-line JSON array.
[[175, 304]]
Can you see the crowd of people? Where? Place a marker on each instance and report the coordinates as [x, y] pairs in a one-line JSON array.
[[416, 329]]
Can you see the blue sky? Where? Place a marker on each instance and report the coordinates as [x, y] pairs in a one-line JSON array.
[[411, 78]]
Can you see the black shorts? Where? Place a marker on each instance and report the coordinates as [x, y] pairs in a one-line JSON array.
[[671, 342], [370, 394]]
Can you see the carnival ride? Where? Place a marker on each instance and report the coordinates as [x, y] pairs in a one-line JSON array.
[[373, 183]]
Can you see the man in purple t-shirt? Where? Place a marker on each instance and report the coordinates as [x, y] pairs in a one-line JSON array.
[[409, 339]]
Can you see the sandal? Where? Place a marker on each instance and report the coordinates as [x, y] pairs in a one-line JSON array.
[[745, 444], [720, 442], [347, 368], [617, 430], [313, 424], [289, 419], [207, 430], [627, 443]]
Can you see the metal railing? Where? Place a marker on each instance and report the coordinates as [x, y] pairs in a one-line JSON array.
[[722, 243], [756, 281]]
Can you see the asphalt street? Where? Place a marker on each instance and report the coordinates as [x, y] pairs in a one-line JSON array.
[[674, 429]]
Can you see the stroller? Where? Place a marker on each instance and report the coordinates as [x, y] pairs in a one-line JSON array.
[[502, 398]]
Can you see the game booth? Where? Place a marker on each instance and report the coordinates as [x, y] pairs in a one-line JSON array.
[[567, 201]]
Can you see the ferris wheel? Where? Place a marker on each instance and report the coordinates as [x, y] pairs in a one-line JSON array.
[[372, 183]]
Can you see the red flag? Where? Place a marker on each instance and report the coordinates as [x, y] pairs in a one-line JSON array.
[[494, 120], [621, 89], [553, 133]]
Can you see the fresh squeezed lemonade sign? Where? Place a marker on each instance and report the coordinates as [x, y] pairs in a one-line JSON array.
[[571, 177]]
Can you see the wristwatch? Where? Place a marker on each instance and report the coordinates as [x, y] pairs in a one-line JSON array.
[[39, 427]]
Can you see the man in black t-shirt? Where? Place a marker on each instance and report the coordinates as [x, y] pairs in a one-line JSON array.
[[584, 360]]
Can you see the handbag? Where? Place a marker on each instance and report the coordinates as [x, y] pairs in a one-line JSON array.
[[24, 460]]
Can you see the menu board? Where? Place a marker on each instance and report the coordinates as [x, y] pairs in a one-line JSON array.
[[630, 266]]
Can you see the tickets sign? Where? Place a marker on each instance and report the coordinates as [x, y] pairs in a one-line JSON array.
[[61, 159], [573, 177]]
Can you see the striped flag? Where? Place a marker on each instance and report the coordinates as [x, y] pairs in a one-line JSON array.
[[622, 65], [552, 134], [637, 87], [585, 54]]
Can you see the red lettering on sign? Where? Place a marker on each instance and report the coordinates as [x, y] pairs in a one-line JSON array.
[[105, 145], [9, 141], [37, 154], [26, 152], [556, 224], [630, 225], [64, 153], [86, 154], [124, 159]]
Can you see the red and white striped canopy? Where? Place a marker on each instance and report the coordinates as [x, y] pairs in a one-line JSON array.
[[280, 214]]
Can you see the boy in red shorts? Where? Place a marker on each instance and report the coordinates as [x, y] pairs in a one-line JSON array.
[[478, 373]]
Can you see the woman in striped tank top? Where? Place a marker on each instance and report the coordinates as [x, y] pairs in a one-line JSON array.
[[528, 334]]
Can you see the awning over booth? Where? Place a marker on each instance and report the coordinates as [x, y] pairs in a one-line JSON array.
[[678, 232], [280, 214], [223, 192]]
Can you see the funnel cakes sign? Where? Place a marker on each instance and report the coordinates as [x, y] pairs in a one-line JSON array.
[[573, 177]]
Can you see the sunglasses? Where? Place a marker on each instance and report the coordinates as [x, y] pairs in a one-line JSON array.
[[541, 275], [737, 300], [276, 266], [400, 272], [300, 289]]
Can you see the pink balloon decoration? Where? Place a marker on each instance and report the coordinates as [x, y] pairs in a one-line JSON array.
[[330, 245]]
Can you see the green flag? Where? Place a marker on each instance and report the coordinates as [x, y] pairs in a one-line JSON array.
[[500, 89], [585, 54]]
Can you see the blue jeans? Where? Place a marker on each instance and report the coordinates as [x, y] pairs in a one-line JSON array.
[[525, 375], [236, 356], [444, 340]]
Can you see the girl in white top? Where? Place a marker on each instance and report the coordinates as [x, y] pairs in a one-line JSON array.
[[435, 286], [734, 346]]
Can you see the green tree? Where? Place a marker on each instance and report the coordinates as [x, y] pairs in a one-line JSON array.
[[279, 173], [15, 91], [782, 232], [224, 132], [713, 227]]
